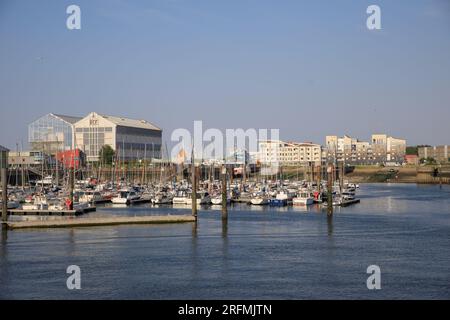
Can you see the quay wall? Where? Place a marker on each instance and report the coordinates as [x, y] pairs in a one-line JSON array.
[[407, 174], [377, 174]]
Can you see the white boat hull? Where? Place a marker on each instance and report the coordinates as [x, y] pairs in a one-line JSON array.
[[302, 201], [259, 201], [179, 200], [120, 200]]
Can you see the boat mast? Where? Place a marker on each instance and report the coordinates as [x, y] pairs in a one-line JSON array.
[[42, 168], [144, 163]]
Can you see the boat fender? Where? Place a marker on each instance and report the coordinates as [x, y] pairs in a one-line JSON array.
[[68, 204]]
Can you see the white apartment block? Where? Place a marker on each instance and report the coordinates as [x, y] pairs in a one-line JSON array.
[[381, 149], [289, 153]]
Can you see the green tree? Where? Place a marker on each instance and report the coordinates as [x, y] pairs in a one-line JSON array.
[[106, 154], [412, 150]]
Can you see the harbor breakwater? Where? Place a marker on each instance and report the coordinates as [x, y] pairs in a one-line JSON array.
[[378, 174], [406, 174]]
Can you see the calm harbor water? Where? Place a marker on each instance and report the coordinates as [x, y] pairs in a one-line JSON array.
[[262, 253]]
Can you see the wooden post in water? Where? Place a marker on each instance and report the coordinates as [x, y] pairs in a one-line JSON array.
[[319, 177], [4, 174], [330, 171], [232, 175], [194, 189], [71, 185], [224, 193], [23, 176]]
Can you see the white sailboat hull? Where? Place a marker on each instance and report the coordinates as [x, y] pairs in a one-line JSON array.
[[179, 200], [302, 201], [120, 200], [259, 201]]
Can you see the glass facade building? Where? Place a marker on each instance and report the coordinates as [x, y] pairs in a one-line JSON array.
[[52, 133]]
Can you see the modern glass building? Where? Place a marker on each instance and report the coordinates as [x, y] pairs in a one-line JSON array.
[[52, 133]]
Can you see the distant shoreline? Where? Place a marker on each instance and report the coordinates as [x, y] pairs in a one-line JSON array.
[[406, 174], [377, 174]]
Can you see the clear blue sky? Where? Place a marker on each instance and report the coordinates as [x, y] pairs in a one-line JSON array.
[[309, 68]]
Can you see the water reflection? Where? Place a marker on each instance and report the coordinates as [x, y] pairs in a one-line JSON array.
[[194, 229], [224, 228], [4, 265], [330, 225], [4, 232], [225, 260], [196, 265], [118, 205], [257, 208]]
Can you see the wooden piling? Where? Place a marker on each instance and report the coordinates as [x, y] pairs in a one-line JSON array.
[[4, 176], [194, 189], [330, 171], [71, 187], [224, 193], [319, 178]]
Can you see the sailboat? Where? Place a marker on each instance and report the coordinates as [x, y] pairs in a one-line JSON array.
[[125, 197], [217, 199], [180, 198], [162, 198], [203, 197], [259, 199], [304, 198]]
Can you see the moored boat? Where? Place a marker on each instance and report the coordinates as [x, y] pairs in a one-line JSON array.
[[259, 199], [304, 198], [125, 197]]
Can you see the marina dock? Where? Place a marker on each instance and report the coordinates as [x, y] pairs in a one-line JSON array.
[[105, 221], [23, 212]]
